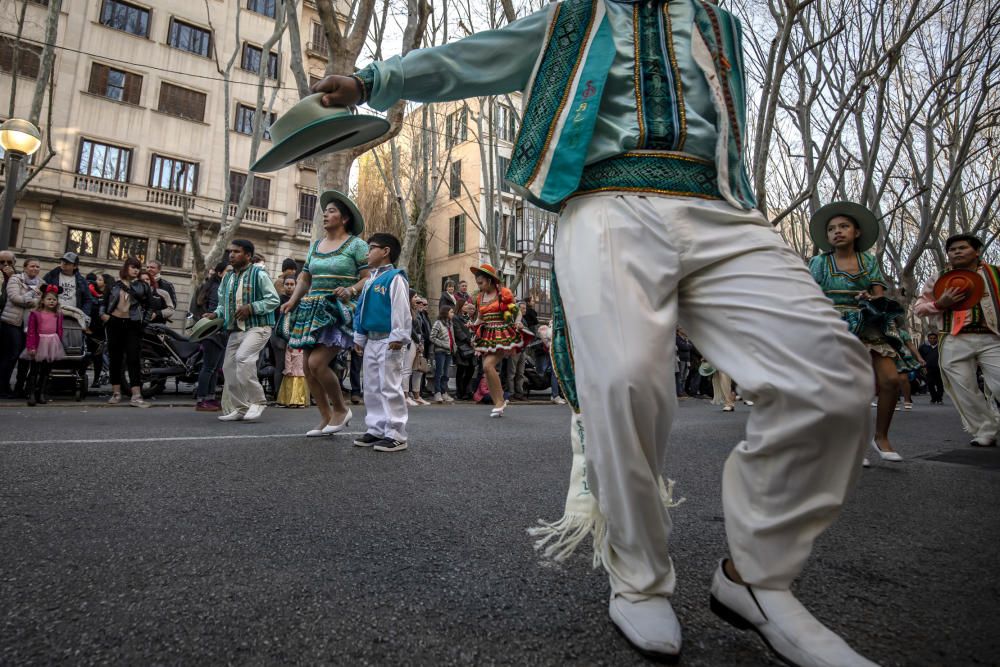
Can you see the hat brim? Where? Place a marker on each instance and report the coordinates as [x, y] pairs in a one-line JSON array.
[[483, 272], [970, 281], [325, 135], [204, 328], [870, 229], [357, 220]]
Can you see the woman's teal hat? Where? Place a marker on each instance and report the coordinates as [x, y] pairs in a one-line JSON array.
[[870, 228], [309, 129], [357, 220], [204, 328]]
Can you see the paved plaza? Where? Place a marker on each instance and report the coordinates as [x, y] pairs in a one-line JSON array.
[[161, 536]]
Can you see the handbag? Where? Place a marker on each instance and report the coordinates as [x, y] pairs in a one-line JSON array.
[[420, 363]]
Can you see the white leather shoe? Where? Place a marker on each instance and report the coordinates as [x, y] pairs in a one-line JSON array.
[[787, 627], [886, 456], [316, 433], [330, 429], [254, 412], [650, 625], [233, 416]]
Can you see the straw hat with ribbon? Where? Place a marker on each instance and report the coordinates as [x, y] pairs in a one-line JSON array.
[[870, 229], [309, 129]]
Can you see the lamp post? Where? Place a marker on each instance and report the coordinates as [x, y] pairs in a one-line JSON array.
[[19, 139]]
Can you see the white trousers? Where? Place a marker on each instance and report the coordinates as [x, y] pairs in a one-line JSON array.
[[630, 268], [385, 404], [240, 367], [960, 356]]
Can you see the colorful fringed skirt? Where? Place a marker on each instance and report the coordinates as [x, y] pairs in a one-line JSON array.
[[497, 334], [321, 318]]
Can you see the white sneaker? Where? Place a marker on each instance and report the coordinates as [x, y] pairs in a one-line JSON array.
[[233, 416], [650, 625], [254, 412], [421, 401], [447, 398], [787, 627], [412, 403], [559, 400], [438, 399]]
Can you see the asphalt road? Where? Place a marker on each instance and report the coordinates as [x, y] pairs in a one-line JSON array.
[[161, 536]]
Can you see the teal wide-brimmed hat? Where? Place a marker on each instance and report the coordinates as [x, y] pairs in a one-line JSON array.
[[357, 220], [870, 228], [309, 129], [204, 328]]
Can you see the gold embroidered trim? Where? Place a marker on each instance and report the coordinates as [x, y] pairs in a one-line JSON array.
[[682, 136]]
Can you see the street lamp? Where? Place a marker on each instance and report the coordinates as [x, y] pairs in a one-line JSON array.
[[19, 139]]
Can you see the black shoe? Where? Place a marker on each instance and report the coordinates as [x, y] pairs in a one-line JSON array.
[[367, 440], [389, 445], [356, 399]]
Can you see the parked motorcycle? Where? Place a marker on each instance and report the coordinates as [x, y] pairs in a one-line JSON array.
[[167, 354]]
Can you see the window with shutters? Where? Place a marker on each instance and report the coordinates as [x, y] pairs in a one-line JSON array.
[[456, 234], [261, 196], [82, 241], [29, 57], [115, 84], [505, 122], [244, 120], [265, 7], [182, 102], [123, 246], [456, 179], [167, 173], [456, 127], [319, 42], [502, 164], [170, 253], [189, 37], [252, 58], [126, 17], [112, 163], [307, 205]]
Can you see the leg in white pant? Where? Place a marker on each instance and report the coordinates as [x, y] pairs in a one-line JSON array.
[[240, 367], [385, 404], [960, 356], [629, 267]]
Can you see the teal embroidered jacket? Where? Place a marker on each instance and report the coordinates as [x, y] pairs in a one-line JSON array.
[[251, 286], [621, 95]]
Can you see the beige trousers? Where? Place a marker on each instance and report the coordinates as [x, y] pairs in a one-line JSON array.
[[631, 268], [960, 356], [240, 368]]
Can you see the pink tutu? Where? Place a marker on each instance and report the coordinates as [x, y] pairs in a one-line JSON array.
[[50, 348]]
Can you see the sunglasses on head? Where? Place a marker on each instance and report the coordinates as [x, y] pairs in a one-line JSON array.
[[7, 261]]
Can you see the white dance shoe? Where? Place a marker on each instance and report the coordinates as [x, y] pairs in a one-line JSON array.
[[498, 412], [254, 412], [233, 416], [886, 456], [650, 625], [787, 627], [330, 429]]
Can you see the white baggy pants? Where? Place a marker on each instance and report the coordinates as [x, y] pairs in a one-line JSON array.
[[385, 404], [240, 367], [960, 356], [630, 268]]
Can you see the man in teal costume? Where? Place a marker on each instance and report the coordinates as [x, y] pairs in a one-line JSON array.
[[634, 129]]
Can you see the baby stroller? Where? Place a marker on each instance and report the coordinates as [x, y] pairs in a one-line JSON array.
[[70, 373]]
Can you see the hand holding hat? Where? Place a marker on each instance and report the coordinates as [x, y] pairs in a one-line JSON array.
[[959, 289]]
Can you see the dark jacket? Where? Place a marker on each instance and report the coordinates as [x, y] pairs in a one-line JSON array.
[[425, 334], [930, 355], [97, 301], [83, 299], [464, 351], [139, 301], [168, 287], [530, 317], [684, 348]]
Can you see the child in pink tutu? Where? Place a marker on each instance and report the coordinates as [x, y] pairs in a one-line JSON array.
[[44, 345]]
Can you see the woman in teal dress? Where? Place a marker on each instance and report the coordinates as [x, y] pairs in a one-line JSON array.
[[322, 306], [852, 279], [908, 363]]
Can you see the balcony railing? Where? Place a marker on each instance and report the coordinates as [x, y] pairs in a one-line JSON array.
[[169, 198], [251, 214], [101, 186], [318, 49], [304, 227], [544, 250]]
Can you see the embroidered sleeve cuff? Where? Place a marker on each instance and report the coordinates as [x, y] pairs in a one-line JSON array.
[[365, 77]]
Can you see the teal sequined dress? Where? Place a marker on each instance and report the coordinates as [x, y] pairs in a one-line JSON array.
[[875, 322], [320, 318]]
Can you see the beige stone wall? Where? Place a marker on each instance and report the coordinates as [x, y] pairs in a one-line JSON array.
[[58, 199]]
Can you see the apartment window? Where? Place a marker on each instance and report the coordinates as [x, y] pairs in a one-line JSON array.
[[43, 3], [244, 120], [170, 253], [261, 189], [307, 205], [455, 182], [319, 42], [167, 173], [182, 102], [28, 61], [456, 127], [456, 234], [15, 227], [123, 246], [265, 7], [251, 61], [188, 37], [112, 163], [115, 84], [82, 241], [502, 165], [505, 122], [126, 17]]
